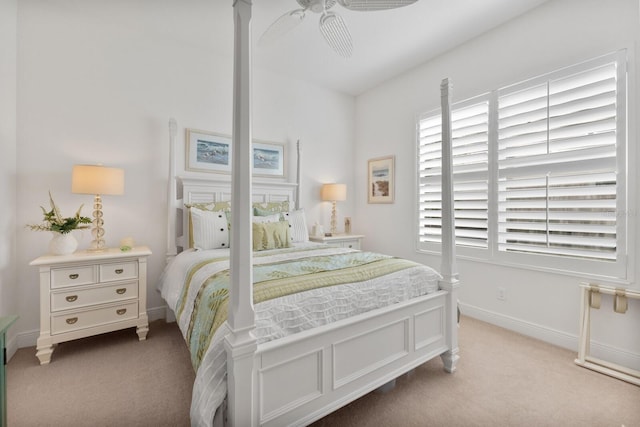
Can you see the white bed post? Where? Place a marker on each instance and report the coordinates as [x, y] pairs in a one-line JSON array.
[[448, 268], [172, 200], [241, 344], [172, 196], [298, 176]]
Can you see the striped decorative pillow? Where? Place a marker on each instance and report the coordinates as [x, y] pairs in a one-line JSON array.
[[297, 224], [210, 229]]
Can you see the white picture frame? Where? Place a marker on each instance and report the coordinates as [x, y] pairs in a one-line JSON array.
[[381, 180], [208, 152], [269, 159]]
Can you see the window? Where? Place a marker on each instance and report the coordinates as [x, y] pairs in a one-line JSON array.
[[539, 172], [470, 127]]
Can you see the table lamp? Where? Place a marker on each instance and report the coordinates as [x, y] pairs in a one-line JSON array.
[[97, 180], [333, 193]]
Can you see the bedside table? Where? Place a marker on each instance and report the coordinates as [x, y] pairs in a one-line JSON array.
[[89, 293], [352, 241]]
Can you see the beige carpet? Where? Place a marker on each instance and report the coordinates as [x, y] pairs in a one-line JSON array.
[[503, 379]]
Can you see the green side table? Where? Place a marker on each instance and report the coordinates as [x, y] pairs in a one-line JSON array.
[[5, 322]]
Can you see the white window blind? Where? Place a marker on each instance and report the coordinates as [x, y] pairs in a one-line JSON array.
[[557, 166], [540, 172], [470, 168]]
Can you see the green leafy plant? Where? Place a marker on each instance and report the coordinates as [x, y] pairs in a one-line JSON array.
[[54, 221]]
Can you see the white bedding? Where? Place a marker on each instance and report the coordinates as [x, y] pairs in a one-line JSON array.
[[283, 316]]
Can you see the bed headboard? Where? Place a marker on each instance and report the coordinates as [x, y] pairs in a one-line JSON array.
[[205, 188], [202, 190]]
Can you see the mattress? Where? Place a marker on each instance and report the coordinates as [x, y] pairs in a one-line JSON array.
[[295, 289]]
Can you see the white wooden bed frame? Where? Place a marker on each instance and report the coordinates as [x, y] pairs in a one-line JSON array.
[[303, 377]]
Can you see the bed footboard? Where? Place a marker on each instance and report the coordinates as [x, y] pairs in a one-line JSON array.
[[306, 376]]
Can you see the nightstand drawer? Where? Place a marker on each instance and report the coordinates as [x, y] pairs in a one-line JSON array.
[[118, 271], [92, 296], [352, 244], [85, 319], [74, 276], [351, 241]]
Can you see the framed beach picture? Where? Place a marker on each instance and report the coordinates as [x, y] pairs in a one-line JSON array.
[[208, 152], [381, 180], [268, 159]]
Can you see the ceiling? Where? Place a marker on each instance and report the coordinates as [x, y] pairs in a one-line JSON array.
[[386, 43]]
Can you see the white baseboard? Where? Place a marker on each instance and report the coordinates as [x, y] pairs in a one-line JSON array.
[[156, 313], [543, 333], [12, 347], [28, 339], [552, 336]]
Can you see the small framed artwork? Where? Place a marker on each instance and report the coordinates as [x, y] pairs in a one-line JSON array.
[[381, 180], [268, 159], [208, 152]]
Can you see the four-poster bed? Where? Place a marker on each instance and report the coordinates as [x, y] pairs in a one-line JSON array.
[[296, 378]]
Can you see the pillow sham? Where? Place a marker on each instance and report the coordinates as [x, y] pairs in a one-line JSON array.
[[207, 206], [297, 224], [270, 235], [210, 206], [269, 208], [210, 229]]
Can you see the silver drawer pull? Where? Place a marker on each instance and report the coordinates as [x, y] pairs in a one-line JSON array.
[[121, 291], [121, 311], [119, 271], [74, 276], [72, 320], [72, 298]]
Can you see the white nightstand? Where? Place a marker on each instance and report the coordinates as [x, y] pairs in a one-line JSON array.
[[89, 293], [352, 241]]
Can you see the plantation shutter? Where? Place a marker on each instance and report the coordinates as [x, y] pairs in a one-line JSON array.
[[470, 170], [557, 166]]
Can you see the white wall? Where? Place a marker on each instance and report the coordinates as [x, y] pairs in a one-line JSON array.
[[557, 34], [8, 60], [98, 81]]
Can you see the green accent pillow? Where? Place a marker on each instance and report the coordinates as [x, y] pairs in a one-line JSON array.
[[269, 208], [270, 235]]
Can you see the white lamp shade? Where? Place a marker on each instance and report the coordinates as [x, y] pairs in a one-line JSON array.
[[334, 192], [95, 179]]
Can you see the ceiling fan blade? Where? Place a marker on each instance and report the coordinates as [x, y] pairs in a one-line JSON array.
[[281, 26], [370, 5], [336, 34]]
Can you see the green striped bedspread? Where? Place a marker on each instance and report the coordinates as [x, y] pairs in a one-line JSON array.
[[203, 301]]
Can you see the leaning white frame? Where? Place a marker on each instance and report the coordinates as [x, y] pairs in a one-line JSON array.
[[588, 292], [301, 378]]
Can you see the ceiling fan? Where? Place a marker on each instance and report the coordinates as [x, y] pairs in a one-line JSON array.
[[332, 26]]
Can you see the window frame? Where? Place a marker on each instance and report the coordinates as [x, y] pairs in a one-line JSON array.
[[618, 271], [432, 247]]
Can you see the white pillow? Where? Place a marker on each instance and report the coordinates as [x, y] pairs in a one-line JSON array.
[[268, 218], [297, 225], [210, 229]]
